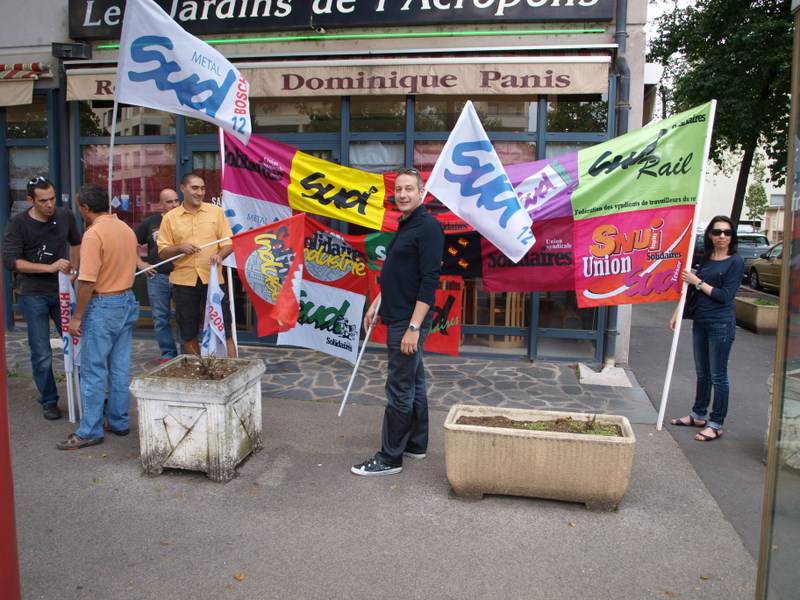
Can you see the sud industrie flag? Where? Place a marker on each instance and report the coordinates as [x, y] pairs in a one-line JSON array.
[[213, 337], [162, 66], [470, 180]]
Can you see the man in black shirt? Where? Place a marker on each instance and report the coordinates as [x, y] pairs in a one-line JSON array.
[[159, 289], [39, 243], [409, 278]]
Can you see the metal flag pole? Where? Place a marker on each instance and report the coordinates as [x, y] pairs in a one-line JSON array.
[[358, 360], [163, 262]]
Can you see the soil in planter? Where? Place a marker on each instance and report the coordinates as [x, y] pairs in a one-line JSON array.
[[199, 367], [565, 425]]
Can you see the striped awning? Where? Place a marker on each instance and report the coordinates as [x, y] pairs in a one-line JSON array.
[[16, 71]]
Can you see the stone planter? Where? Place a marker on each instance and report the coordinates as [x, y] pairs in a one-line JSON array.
[[199, 425], [760, 318], [573, 467]]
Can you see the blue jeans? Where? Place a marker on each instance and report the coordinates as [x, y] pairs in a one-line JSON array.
[[159, 290], [107, 328], [405, 420], [712, 346], [38, 311]]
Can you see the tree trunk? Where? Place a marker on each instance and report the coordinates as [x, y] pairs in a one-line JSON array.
[[741, 184]]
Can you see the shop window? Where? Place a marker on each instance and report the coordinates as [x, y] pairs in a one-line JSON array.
[[296, 115], [23, 165], [508, 114], [140, 172], [561, 148], [377, 157], [577, 114], [510, 153], [27, 121], [207, 165], [95, 118], [377, 114]]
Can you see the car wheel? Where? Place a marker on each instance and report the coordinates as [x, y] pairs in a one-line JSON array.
[[754, 281]]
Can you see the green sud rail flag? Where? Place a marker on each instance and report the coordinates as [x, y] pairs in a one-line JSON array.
[[633, 206]]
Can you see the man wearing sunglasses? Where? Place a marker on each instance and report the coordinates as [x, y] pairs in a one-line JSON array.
[[39, 243]]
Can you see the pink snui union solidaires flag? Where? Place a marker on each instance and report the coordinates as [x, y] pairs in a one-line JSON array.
[[162, 66]]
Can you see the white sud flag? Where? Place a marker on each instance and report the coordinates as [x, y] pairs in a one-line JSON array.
[[213, 340], [66, 302], [162, 66], [469, 179]]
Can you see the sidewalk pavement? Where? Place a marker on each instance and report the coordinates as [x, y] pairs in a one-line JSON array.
[[295, 523]]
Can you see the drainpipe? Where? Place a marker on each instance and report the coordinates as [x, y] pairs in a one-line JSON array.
[[623, 110]]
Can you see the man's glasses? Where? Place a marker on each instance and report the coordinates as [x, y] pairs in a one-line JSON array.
[[725, 232], [38, 180]]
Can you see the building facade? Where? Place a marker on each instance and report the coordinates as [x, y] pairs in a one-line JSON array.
[[370, 84]]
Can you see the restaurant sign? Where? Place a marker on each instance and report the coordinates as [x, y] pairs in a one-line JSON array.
[[102, 19]]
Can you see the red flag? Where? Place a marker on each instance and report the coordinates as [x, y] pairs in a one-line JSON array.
[[270, 258]]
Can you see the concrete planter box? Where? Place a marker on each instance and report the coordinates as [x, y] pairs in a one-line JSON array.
[[760, 318], [591, 469], [199, 425]]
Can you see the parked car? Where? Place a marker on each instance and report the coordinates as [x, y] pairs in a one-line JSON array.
[[765, 271], [751, 246]]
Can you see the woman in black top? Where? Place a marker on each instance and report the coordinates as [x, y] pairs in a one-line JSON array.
[[717, 280]]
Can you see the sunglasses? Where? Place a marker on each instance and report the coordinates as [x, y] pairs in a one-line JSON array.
[[408, 172], [37, 180], [725, 232]]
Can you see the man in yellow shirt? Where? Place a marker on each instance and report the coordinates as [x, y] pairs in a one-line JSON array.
[[190, 229]]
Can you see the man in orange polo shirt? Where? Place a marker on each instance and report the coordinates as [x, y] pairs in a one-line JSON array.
[[185, 230], [105, 312]]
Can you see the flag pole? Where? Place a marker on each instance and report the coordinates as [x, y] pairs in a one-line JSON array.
[[111, 152], [358, 360], [163, 262], [662, 409], [229, 270]]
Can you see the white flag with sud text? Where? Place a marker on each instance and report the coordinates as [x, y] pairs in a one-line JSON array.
[[66, 301], [213, 337], [162, 66], [469, 179]]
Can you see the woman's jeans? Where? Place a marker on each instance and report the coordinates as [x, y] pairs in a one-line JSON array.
[[38, 312], [405, 421], [712, 346], [107, 333]]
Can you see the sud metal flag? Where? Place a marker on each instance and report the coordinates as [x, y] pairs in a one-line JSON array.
[[470, 180], [213, 337], [162, 66]]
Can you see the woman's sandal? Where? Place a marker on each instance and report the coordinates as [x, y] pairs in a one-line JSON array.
[[692, 422], [701, 437]]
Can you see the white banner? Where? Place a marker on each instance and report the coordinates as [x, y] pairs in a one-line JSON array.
[[213, 337], [161, 66], [469, 179], [330, 321], [66, 301]]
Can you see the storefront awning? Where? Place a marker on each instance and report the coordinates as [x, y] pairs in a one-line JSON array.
[[16, 81], [397, 76]]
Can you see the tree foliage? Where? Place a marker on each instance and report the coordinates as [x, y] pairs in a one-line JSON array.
[[738, 52], [756, 198]]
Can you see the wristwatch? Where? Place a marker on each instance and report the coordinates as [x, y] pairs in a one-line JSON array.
[[698, 285], [413, 327]]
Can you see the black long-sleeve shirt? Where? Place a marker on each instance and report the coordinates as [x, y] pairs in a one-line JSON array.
[[411, 270]]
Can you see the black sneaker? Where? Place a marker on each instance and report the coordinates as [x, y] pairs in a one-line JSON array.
[[374, 467], [51, 412], [415, 455]]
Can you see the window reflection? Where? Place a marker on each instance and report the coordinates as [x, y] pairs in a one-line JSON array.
[[297, 115], [140, 172], [28, 120], [384, 114], [509, 113], [96, 116], [577, 114]]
